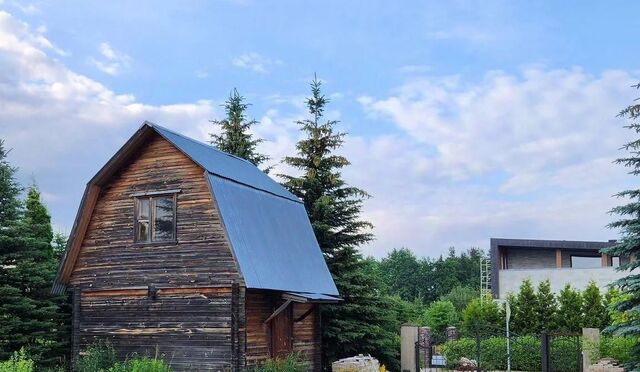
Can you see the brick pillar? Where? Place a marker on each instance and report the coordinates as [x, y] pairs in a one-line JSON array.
[[452, 333]]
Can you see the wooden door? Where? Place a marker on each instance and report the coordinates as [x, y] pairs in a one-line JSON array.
[[282, 332]]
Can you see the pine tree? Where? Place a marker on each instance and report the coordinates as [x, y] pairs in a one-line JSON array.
[[546, 307], [31, 316], [363, 321], [235, 137], [9, 191], [524, 317], [629, 245], [593, 307], [569, 316]]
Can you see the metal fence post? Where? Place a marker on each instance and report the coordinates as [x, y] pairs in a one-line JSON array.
[[478, 346], [544, 352], [418, 356]]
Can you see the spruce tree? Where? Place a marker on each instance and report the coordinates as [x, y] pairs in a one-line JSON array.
[[593, 307], [524, 312], [569, 316], [363, 322], [235, 137], [9, 191], [31, 316], [629, 245], [545, 308]]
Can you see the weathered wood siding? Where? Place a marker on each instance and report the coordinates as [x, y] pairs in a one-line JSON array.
[[192, 325], [306, 333]]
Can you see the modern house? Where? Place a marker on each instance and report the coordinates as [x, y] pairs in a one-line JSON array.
[[559, 261], [183, 249]]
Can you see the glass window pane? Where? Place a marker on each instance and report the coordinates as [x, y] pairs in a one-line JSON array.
[[163, 224], [583, 262], [143, 209], [615, 261], [143, 231]]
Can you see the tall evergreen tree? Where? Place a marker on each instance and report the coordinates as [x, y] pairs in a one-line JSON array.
[[629, 226], [361, 323], [569, 316], [31, 316], [524, 312], [235, 137], [593, 307], [545, 307], [9, 191]]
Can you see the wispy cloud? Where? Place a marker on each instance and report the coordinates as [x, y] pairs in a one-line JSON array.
[[202, 74], [255, 62], [112, 62]]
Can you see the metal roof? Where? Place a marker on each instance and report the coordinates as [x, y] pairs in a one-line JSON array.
[[223, 164], [272, 239]]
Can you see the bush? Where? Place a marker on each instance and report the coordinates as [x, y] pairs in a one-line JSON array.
[[19, 362], [291, 363], [439, 316], [99, 357], [145, 364], [454, 350], [617, 347]]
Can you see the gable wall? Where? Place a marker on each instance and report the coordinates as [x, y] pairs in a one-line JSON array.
[[191, 321], [110, 259]]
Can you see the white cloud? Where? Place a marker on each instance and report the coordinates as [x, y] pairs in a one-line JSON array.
[[113, 62], [255, 62]]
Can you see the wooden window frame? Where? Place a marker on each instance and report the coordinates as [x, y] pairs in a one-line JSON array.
[[150, 196]]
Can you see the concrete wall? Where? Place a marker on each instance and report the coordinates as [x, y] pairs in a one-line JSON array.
[[510, 280]]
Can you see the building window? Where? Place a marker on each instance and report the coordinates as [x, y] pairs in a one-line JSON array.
[[155, 218], [615, 261], [586, 262]]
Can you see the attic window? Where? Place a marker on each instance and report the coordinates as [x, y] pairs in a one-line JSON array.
[[155, 218]]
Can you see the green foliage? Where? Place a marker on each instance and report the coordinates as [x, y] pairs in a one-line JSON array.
[[629, 244], [454, 350], [401, 272], [523, 310], [291, 363], [236, 137], [364, 321], [618, 348], [9, 190], [440, 315], [141, 364], [31, 317], [593, 308], [99, 357], [460, 297], [482, 317], [19, 362], [569, 316], [545, 308]]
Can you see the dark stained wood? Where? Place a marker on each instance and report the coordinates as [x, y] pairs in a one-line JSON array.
[[282, 332], [75, 325]]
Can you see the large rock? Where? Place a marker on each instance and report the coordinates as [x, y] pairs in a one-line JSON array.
[[465, 364], [358, 363]]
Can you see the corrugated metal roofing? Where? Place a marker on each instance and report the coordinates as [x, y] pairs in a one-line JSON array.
[[272, 239], [313, 297], [223, 164]]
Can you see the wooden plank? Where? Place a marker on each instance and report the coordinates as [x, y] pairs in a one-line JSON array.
[[278, 311], [558, 258]]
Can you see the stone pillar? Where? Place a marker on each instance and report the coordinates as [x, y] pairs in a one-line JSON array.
[[452, 333], [590, 347], [408, 339], [426, 340]]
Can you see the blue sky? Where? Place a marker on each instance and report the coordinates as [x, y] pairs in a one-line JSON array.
[[466, 120]]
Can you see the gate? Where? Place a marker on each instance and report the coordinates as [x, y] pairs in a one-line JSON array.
[[561, 352]]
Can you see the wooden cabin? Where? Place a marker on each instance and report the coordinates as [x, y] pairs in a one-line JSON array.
[[182, 249]]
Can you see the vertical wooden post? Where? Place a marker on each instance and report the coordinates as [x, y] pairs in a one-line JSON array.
[[558, 258], [75, 327], [235, 317], [605, 260]]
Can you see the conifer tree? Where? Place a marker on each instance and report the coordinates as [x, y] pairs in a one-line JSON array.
[[235, 137], [524, 316], [593, 307], [569, 316], [629, 245], [31, 316], [9, 191], [363, 321], [545, 309]]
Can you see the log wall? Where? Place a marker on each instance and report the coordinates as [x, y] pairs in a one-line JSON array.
[[196, 321]]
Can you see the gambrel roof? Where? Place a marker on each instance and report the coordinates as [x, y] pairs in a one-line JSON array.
[[267, 227]]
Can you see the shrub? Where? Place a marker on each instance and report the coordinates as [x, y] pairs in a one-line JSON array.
[[440, 315], [525, 354], [19, 362], [98, 357], [291, 363], [145, 364], [454, 350], [617, 347]]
